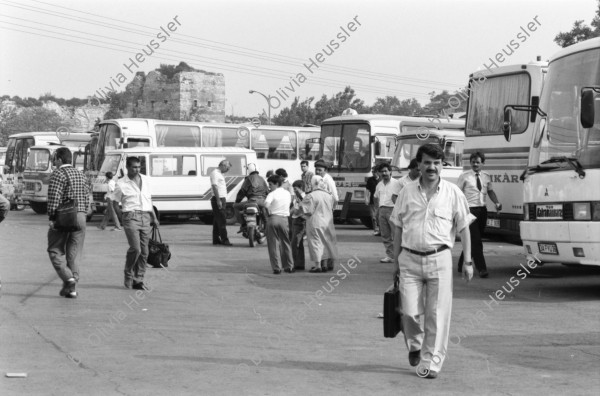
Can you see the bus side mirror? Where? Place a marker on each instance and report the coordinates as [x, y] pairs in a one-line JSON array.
[[535, 103], [378, 148], [587, 108], [506, 128]]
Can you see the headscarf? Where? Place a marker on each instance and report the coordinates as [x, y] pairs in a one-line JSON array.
[[318, 183]]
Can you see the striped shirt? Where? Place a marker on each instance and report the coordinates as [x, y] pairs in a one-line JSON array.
[[63, 188]]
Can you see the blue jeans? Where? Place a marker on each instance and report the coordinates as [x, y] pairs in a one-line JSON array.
[[137, 229], [64, 249]]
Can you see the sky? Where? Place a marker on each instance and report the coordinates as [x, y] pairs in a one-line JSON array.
[[389, 48]]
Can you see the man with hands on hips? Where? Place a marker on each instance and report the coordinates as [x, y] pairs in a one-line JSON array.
[[427, 215]]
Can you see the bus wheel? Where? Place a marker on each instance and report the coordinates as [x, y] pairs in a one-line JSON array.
[[367, 222], [39, 207], [230, 216]]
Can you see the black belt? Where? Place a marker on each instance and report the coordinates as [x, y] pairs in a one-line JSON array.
[[427, 253]]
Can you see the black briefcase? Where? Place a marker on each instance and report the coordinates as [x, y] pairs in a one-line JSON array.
[[392, 316], [159, 253]]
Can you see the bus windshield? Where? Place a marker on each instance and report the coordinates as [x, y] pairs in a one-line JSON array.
[[110, 164], [407, 149], [487, 101], [560, 134], [38, 160], [346, 146]]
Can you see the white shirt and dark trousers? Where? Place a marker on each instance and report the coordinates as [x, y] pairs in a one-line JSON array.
[[278, 232], [219, 234], [476, 186], [428, 233], [384, 193], [137, 224]]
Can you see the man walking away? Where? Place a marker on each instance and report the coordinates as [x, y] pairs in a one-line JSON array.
[[369, 199], [477, 186], [219, 203], [385, 197], [66, 183], [430, 213], [135, 194]]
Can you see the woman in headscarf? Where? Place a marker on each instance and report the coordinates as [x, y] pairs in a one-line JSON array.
[[317, 208]]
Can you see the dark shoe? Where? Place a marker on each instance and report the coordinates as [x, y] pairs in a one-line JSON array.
[[68, 289], [277, 272], [315, 269], [329, 268], [64, 291], [71, 294], [226, 243], [290, 270], [299, 268], [414, 358], [139, 286], [483, 274], [432, 374], [323, 269]]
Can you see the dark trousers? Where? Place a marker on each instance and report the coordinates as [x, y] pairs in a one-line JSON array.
[[476, 229], [64, 249], [298, 231], [219, 233]]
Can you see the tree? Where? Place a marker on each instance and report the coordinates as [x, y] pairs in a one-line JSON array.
[[298, 114], [327, 108], [580, 32], [393, 106], [439, 105], [117, 105], [30, 119]]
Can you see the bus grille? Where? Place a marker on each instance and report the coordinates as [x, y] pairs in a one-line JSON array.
[[99, 196], [29, 186]]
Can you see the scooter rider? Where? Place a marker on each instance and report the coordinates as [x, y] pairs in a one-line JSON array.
[[254, 188]]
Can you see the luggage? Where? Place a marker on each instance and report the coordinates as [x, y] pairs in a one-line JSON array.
[[392, 316], [158, 252]]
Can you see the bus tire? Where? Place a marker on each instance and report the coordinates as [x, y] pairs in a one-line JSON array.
[[367, 222], [39, 207]]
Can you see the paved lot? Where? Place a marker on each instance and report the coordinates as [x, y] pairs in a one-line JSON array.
[[218, 322]]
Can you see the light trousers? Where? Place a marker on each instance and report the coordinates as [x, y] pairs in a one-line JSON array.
[[137, 229], [278, 242], [387, 228], [426, 294]]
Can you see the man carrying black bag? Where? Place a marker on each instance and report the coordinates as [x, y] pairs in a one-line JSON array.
[[66, 183]]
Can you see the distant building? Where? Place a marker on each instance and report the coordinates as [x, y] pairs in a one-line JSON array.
[[187, 95]]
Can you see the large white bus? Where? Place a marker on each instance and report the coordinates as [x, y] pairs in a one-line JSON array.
[[505, 160], [276, 146], [180, 177], [353, 144], [562, 181], [450, 140]]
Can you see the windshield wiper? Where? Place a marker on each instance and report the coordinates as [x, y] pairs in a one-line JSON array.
[[574, 162]]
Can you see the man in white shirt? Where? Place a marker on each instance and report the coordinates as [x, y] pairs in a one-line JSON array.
[[430, 213], [218, 203], [277, 205], [385, 197], [321, 169], [413, 174], [477, 186], [134, 193]]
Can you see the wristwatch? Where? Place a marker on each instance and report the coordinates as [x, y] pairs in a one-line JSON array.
[[468, 262]]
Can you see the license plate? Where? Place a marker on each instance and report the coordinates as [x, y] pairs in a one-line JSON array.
[[549, 212], [338, 206], [548, 248], [495, 223]]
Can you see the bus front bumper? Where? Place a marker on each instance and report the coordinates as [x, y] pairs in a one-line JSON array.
[[567, 242]]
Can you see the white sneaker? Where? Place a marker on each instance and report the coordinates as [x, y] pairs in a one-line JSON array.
[[387, 260]]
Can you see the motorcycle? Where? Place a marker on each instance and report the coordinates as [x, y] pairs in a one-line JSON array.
[[254, 230]]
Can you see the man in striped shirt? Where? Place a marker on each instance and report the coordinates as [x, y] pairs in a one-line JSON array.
[[66, 183]]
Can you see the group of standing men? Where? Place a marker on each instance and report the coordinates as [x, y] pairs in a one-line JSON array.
[[64, 247]]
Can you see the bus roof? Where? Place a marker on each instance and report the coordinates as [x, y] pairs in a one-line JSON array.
[[579, 47], [510, 69], [26, 134], [384, 119], [54, 146], [183, 150]]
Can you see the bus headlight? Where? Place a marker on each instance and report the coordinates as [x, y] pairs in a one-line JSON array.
[[582, 211], [38, 187]]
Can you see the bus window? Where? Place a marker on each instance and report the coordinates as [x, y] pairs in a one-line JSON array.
[[10, 154], [453, 153], [110, 164], [388, 146], [487, 101], [308, 150], [408, 149], [223, 137], [21, 152], [211, 162], [274, 144], [331, 136], [110, 135], [38, 161], [177, 136], [134, 142], [172, 165], [79, 161]]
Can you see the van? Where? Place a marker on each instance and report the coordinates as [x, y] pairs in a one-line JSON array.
[[180, 177]]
